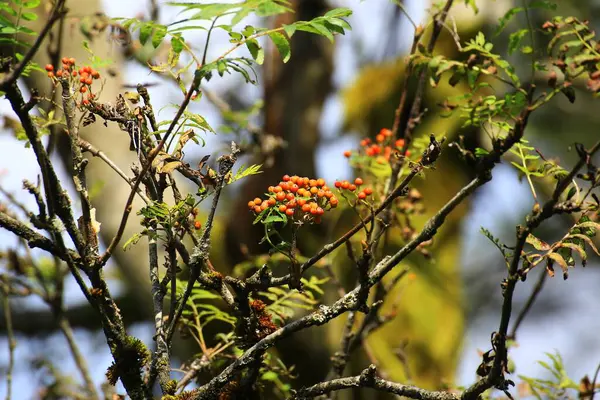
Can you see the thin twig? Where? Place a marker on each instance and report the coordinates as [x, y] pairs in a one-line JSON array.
[[87, 146], [532, 298], [12, 343], [67, 331]]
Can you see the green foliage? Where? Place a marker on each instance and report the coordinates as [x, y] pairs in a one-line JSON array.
[[561, 252], [328, 25], [19, 10], [560, 386], [13, 15], [244, 171], [283, 302]]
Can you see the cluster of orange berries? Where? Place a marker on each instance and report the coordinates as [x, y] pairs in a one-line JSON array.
[[297, 197], [383, 147], [86, 74], [352, 187]]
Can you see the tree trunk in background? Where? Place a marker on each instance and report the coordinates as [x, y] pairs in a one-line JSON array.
[[294, 96]]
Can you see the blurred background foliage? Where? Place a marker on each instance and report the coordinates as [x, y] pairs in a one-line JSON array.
[[445, 296]]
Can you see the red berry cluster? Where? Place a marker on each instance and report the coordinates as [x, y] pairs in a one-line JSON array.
[[353, 187], [86, 75], [297, 197], [383, 147]]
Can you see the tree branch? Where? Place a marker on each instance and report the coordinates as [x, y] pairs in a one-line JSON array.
[[368, 379]]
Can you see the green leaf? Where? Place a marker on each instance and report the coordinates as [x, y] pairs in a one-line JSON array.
[[282, 44], [505, 19], [537, 243], [269, 376], [145, 32], [257, 52], [290, 29], [29, 16], [177, 43], [159, 34], [515, 38], [30, 3]]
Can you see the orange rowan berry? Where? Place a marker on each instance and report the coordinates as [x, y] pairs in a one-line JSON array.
[[351, 187], [277, 189], [347, 153], [381, 160], [368, 191], [49, 67], [400, 143], [407, 153], [320, 182], [312, 183], [345, 185], [320, 193], [197, 225], [257, 209], [313, 211], [314, 190], [95, 74], [71, 61], [334, 202], [74, 73], [87, 69], [385, 132], [282, 208], [380, 138], [50, 74], [270, 189], [337, 184], [251, 205], [257, 201], [301, 202], [65, 60], [328, 194], [286, 178], [59, 73], [294, 188], [320, 211], [85, 102], [290, 196], [82, 80], [280, 196], [306, 207], [271, 201], [264, 206], [358, 181], [362, 195], [294, 179], [292, 203], [289, 212], [88, 81]]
